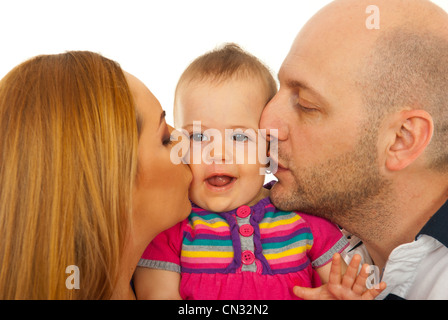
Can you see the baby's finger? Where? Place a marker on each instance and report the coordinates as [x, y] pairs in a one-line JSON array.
[[374, 292], [352, 270], [335, 271], [360, 285], [307, 293]]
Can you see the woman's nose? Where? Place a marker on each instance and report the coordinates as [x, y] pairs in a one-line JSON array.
[[272, 120]]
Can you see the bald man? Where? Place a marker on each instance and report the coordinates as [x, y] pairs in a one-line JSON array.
[[362, 120]]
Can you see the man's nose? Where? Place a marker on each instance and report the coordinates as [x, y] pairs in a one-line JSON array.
[[272, 119]]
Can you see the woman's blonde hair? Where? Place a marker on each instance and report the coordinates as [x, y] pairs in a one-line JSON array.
[[68, 157]]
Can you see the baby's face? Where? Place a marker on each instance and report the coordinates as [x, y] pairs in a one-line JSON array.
[[229, 113]]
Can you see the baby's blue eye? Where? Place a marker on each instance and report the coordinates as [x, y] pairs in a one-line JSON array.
[[240, 137], [198, 137]]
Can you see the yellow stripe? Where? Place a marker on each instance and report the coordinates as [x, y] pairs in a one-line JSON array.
[[206, 254], [267, 225], [286, 253], [211, 225]]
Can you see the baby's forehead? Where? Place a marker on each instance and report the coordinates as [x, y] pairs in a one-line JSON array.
[[210, 86], [218, 120], [214, 81], [234, 101]]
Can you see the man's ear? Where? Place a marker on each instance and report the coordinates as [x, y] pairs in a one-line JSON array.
[[413, 130]]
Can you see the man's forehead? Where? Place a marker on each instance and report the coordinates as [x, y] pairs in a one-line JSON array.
[[324, 79], [303, 71], [321, 52]]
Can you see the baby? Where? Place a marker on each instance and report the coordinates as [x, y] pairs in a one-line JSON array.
[[235, 244]]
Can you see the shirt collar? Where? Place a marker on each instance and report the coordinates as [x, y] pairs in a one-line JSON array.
[[437, 226]]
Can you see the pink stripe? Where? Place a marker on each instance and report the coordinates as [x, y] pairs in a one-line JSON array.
[[221, 231], [218, 229], [205, 265], [291, 264], [197, 209], [279, 231]]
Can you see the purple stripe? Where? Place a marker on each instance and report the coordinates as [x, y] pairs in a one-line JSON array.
[[206, 236], [234, 234], [255, 222]]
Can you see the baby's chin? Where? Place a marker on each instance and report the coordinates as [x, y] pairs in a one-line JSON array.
[[216, 205], [219, 202]]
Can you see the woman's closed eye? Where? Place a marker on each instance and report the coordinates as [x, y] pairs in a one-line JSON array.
[[166, 140], [166, 137]]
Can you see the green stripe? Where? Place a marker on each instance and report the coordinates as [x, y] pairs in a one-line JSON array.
[[273, 214], [210, 216], [276, 245]]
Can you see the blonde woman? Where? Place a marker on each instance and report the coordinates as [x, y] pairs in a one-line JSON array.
[[86, 179]]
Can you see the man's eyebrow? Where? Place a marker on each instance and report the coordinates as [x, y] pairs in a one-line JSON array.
[[294, 84], [305, 86]]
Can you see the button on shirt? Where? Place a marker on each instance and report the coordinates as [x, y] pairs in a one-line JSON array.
[[243, 216], [243, 211]]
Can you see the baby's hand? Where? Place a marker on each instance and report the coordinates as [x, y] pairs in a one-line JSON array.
[[350, 286]]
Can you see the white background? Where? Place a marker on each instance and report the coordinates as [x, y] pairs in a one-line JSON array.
[[153, 39]]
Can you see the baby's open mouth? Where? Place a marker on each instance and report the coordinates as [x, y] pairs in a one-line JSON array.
[[220, 181]]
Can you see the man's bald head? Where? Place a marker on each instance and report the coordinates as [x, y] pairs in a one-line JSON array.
[[403, 64], [409, 69]]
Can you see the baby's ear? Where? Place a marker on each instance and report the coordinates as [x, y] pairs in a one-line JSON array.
[[410, 133]]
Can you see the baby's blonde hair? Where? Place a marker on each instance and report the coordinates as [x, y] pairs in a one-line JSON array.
[[225, 62]]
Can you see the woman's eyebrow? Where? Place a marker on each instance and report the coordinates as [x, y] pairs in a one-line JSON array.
[[162, 117]]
